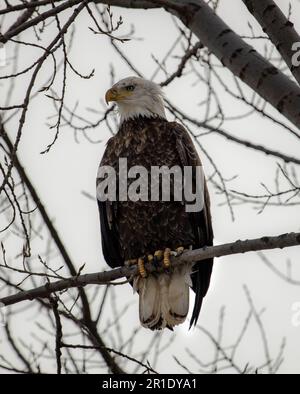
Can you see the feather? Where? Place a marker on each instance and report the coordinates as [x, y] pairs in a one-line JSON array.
[[149, 301], [164, 299], [179, 295]]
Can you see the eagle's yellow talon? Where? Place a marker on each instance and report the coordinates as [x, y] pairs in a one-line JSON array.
[[179, 250], [150, 258], [158, 254], [141, 267], [167, 261]]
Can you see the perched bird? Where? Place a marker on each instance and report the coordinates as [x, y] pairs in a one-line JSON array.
[[139, 230]]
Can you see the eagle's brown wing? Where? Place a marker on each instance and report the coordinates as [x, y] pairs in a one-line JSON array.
[[107, 211], [201, 221]]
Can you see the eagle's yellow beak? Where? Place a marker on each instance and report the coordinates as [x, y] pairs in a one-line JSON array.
[[114, 94], [111, 95]]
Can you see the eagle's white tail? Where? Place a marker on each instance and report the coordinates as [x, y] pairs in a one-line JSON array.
[[164, 298]]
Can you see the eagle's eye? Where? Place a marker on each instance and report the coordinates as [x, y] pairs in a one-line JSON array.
[[130, 88]]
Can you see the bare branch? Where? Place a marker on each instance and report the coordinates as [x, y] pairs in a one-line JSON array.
[[58, 336], [264, 243], [234, 53], [280, 30]]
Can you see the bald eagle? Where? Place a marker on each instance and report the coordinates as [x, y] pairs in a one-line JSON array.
[[135, 231]]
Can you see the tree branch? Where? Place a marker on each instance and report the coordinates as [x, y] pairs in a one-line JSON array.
[[86, 312], [234, 53], [100, 278], [239, 57], [280, 30], [224, 133]]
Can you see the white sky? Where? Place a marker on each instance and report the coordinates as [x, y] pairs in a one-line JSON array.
[[70, 168]]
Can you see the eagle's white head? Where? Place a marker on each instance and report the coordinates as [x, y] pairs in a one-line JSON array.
[[137, 97]]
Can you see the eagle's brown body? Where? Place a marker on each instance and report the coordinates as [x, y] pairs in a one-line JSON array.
[[134, 229], [146, 226]]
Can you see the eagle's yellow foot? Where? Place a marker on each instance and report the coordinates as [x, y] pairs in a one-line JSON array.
[[168, 252], [159, 255], [141, 267], [140, 263], [166, 260], [179, 251]]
